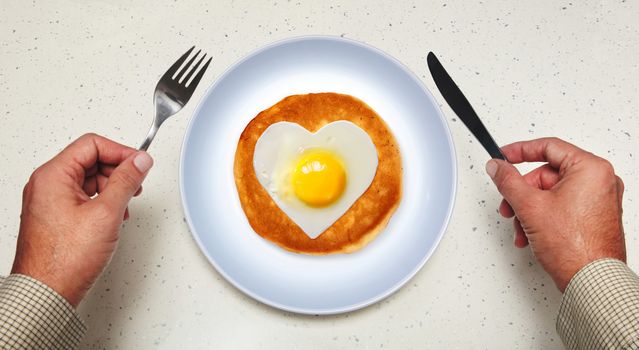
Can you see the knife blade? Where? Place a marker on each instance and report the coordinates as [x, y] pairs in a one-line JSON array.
[[460, 105]]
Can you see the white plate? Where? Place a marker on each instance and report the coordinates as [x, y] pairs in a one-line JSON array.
[[317, 284]]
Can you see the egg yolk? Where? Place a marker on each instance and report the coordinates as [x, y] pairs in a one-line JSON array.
[[319, 178]]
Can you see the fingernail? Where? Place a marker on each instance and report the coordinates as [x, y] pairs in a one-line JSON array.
[[491, 168], [143, 162]]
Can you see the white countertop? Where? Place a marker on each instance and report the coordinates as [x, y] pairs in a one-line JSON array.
[[536, 69]]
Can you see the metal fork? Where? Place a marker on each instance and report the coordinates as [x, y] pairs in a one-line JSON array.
[[174, 90]]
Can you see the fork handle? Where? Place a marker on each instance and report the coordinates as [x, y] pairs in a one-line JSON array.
[[149, 137]]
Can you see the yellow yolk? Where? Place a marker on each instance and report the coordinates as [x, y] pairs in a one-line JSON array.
[[319, 178]]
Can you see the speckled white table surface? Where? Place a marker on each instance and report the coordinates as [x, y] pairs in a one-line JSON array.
[[531, 68]]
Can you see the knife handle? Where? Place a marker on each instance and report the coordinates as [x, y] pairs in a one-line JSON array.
[[489, 144]]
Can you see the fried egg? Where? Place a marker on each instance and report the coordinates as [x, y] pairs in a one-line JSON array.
[[314, 178]]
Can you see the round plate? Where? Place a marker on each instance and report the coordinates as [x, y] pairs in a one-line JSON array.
[[317, 284]]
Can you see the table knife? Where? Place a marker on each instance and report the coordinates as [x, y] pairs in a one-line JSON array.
[[460, 105]]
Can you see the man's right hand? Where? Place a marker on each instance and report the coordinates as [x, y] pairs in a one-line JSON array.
[[569, 209]]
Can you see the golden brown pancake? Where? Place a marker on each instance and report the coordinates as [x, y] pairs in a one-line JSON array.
[[366, 217]]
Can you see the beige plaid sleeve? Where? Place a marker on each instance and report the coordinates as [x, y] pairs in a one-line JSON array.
[[34, 316], [600, 308]]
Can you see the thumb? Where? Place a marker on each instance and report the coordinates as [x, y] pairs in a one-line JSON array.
[[126, 179], [509, 182]]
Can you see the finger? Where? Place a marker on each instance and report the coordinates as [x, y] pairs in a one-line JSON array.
[[506, 210], [558, 153], [620, 189], [102, 183], [510, 183], [82, 154], [91, 148], [91, 171], [125, 180], [126, 214], [90, 186], [543, 177], [106, 169], [520, 238]]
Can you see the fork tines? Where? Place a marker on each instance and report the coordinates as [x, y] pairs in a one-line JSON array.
[[181, 76]]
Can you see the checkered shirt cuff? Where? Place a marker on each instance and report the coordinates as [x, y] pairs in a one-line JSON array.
[[34, 316], [600, 308]]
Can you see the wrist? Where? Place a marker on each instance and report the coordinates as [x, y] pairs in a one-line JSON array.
[[564, 284], [72, 294], [579, 258]]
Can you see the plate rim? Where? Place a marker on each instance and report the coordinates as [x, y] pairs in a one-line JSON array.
[[354, 306]]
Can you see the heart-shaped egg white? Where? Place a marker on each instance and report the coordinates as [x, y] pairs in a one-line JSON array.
[[281, 145]]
